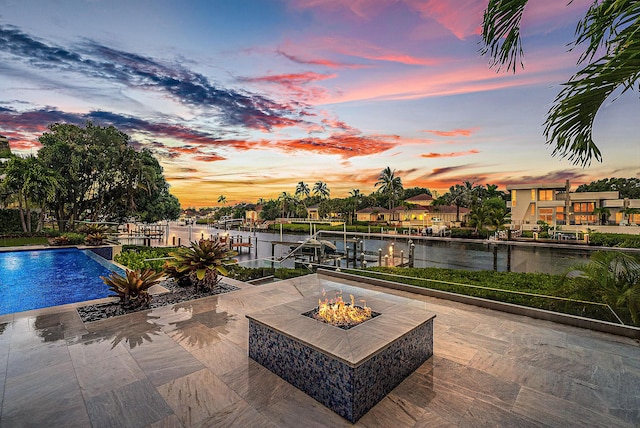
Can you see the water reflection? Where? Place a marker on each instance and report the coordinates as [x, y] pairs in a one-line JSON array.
[[133, 332], [202, 328]]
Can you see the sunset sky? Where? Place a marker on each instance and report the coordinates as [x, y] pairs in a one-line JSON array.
[[247, 98]]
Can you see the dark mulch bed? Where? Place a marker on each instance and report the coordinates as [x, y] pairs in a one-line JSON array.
[[177, 294]]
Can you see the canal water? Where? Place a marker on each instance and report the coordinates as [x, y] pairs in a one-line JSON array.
[[428, 252]]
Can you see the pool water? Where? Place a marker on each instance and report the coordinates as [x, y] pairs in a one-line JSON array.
[[42, 278]]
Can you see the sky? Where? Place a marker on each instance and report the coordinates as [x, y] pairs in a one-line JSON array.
[[246, 98]]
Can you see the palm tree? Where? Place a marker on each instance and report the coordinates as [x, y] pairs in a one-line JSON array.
[[390, 185], [610, 277], [222, 199], [603, 214], [321, 189], [609, 29], [286, 202], [302, 189], [628, 212], [32, 182]]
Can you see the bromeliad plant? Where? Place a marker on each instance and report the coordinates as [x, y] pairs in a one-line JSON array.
[[133, 289], [200, 263]]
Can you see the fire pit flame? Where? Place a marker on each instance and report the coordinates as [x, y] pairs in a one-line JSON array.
[[340, 313]]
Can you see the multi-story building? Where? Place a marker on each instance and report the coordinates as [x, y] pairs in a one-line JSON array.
[[556, 205]]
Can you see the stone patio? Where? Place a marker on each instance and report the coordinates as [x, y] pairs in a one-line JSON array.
[[187, 365]]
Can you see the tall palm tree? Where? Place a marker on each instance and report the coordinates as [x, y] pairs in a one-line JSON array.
[[31, 182], [609, 30], [390, 185], [302, 190], [222, 199], [321, 189], [603, 214], [286, 203]]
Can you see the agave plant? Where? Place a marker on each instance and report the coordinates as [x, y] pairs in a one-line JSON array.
[[201, 263], [133, 288], [95, 238]]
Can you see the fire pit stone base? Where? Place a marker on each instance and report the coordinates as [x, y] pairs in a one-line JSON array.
[[348, 371]]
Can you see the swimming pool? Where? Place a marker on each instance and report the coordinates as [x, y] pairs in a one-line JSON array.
[[42, 278]]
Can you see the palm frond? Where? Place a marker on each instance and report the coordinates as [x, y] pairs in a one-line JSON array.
[[501, 33]]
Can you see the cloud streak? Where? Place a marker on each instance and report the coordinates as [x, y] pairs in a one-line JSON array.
[[449, 155], [237, 108]]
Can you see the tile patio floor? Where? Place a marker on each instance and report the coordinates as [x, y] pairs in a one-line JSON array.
[[187, 365]]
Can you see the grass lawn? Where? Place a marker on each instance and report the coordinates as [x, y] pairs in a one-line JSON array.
[[16, 242]]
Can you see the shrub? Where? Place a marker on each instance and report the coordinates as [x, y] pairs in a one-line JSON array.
[[201, 263], [67, 239], [286, 273], [614, 240], [135, 258], [242, 273], [133, 288]]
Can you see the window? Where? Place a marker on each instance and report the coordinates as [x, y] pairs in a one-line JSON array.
[[533, 210], [546, 215], [533, 194], [583, 207], [545, 195], [513, 198]]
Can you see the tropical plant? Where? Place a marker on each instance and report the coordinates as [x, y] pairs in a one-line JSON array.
[[200, 263], [302, 190], [390, 185], [610, 32], [610, 277], [321, 189], [133, 288], [629, 211], [95, 239], [68, 238], [603, 214], [222, 199], [31, 182]]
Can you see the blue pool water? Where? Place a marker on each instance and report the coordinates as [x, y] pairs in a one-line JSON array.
[[43, 278]]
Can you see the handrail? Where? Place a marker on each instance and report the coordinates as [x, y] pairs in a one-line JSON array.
[[524, 293]]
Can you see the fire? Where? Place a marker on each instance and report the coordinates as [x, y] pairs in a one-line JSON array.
[[338, 312]]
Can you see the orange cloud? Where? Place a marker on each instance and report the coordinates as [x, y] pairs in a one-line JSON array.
[[344, 145], [449, 155], [453, 133], [209, 158]]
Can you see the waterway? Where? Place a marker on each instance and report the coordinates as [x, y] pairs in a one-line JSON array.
[[428, 252]]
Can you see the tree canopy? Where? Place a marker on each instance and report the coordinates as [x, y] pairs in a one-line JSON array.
[[100, 177], [628, 188], [610, 62]]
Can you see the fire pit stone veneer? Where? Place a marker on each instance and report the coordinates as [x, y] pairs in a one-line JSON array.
[[348, 371]]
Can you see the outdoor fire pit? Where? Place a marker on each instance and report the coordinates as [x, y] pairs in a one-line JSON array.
[[347, 370]]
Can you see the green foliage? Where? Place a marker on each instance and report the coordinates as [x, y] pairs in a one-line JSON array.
[[101, 176], [10, 220], [242, 273], [19, 241], [609, 277], [201, 263], [627, 187], [498, 286], [622, 240], [95, 239], [286, 273], [69, 238], [133, 289], [468, 233], [609, 34], [139, 258]]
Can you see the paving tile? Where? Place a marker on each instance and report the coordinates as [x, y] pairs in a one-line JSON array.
[[299, 407], [392, 411], [222, 357], [170, 421], [137, 404], [257, 385], [165, 360], [26, 360], [239, 414], [46, 397], [550, 410], [106, 374], [197, 396]]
